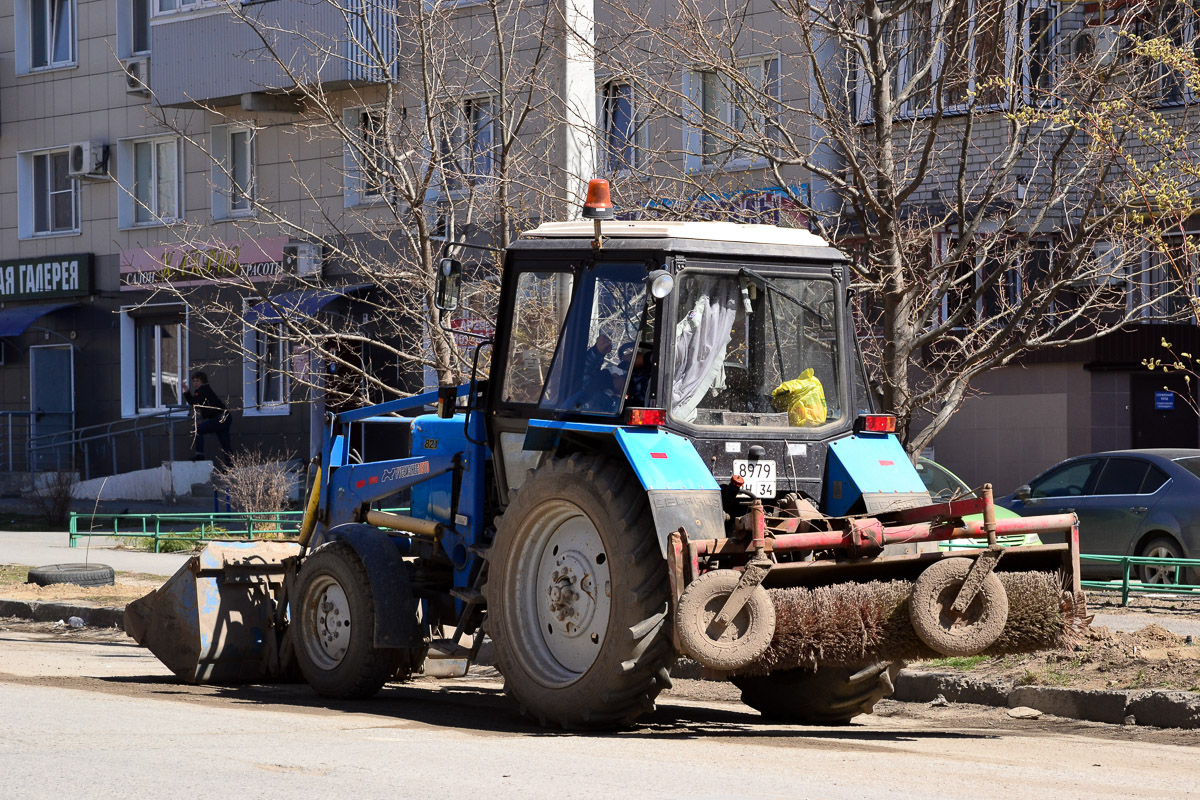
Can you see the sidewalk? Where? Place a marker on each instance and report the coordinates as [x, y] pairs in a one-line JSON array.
[[37, 549]]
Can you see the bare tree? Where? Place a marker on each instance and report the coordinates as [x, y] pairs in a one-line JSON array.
[[438, 151], [996, 169]]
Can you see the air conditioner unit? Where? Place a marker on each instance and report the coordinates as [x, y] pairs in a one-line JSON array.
[[137, 75], [88, 161], [1099, 44], [302, 258]]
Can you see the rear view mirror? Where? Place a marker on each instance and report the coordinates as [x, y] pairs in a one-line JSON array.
[[1023, 493], [449, 283]]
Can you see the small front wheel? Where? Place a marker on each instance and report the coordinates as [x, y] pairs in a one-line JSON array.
[[333, 613], [735, 645]]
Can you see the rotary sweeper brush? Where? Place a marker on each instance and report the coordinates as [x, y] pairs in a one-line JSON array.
[[672, 454]]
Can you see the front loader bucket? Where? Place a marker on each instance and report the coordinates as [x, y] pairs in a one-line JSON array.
[[213, 621]]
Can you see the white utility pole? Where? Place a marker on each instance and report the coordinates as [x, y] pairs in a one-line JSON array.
[[579, 102]]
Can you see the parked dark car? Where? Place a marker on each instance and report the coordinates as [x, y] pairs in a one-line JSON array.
[[1129, 502]]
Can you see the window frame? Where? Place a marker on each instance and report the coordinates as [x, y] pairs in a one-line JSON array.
[[635, 142], [127, 21], [253, 373], [696, 81], [23, 13], [223, 172], [156, 315], [456, 146], [357, 189], [28, 200], [127, 201], [1015, 15]]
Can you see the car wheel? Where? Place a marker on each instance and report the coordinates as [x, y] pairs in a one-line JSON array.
[[1160, 547]]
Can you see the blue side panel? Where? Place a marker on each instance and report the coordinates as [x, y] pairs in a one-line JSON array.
[[866, 464], [433, 436], [664, 460]]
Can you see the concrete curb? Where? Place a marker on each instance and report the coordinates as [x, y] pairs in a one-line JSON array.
[[93, 616], [1153, 707]]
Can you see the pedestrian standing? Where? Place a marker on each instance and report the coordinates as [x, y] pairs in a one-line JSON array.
[[211, 415]]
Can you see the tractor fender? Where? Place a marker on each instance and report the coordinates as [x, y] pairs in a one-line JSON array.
[[681, 489], [391, 586]]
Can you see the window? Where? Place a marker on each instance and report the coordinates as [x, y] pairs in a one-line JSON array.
[[1070, 480], [173, 6], [968, 47], [619, 126], [233, 171], [48, 201], [264, 369], [133, 27], [1162, 290], [1121, 476], [771, 362], [539, 309], [1176, 22], [51, 36], [367, 162], [468, 143], [158, 363], [731, 114], [148, 170]]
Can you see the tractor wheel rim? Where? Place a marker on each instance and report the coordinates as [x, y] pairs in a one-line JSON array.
[[570, 595], [326, 622], [1157, 573]]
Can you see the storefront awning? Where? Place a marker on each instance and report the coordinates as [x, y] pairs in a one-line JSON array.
[[298, 303], [14, 321]]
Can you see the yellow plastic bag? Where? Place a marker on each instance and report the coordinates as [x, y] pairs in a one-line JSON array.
[[803, 399]]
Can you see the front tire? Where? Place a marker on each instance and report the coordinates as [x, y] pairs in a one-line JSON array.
[[824, 696], [334, 616], [578, 597]]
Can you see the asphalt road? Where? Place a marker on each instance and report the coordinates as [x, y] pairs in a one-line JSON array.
[[102, 719]]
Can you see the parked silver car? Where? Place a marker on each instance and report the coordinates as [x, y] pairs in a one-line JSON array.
[[1129, 502]]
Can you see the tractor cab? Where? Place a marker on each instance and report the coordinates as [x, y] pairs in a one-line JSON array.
[[734, 336]]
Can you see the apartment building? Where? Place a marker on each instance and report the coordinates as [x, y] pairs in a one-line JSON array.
[[165, 161]]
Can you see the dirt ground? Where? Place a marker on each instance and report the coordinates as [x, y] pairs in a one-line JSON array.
[[127, 587], [1149, 658]]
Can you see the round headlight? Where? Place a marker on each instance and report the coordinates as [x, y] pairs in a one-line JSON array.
[[661, 283]]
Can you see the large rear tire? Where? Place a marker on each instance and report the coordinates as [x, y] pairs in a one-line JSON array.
[[578, 597], [334, 616], [824, 696]]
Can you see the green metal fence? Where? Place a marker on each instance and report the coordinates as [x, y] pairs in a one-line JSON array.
[[1127, 585], [193, 526]]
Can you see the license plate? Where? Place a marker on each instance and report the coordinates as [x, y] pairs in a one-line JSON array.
[[759, 476]]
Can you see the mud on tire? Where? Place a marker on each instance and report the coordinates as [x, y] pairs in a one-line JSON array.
[[824, 696], [578, 597]]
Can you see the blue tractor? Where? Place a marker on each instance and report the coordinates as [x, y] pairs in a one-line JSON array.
[[673, 453]]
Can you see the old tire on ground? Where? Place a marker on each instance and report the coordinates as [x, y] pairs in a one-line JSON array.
[[950, 633], [577, 596], [1161, 547], [333, 615], [78, 574], [824, 696], [743, 640]]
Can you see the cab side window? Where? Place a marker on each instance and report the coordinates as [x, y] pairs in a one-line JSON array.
[[1122, 476]]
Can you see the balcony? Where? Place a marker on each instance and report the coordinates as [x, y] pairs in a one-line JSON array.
[[212, 56]]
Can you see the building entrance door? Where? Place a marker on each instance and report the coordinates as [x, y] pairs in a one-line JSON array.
[[52, 401], [1163, 411]]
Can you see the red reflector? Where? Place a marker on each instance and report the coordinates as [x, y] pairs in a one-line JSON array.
[[887, 463], [360, 484], [374, 479], [879, 423], [647, 416], [658, 455]]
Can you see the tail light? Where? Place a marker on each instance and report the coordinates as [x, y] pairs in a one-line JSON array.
[[875, 423], [647, 416]]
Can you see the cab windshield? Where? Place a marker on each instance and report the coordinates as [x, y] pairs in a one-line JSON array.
[[756, 349]]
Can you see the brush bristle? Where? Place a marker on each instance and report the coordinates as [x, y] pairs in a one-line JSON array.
[[855, 623]]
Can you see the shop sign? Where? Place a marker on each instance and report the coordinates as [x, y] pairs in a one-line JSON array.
[[208, 263], [52, 276]]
